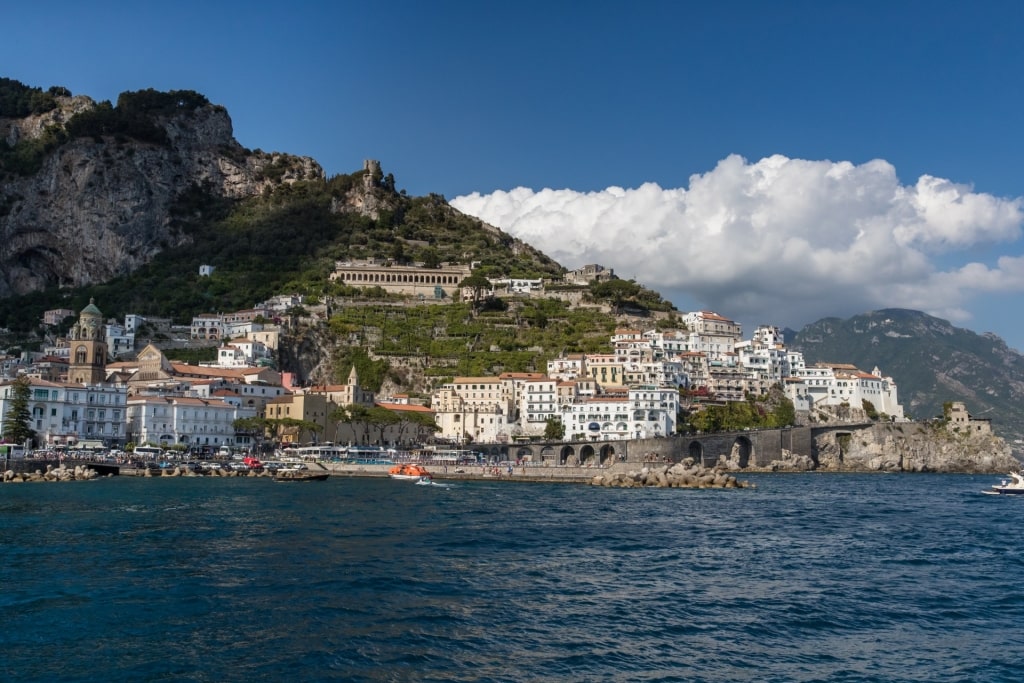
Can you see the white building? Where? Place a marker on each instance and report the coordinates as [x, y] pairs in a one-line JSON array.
[[185, 421], [569, 367], [538, 402], [240, 353], [835, 385], [119, 339], [712, 334], [640, 413], [66, 414]]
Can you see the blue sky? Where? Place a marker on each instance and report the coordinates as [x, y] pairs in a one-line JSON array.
[[773, 161]]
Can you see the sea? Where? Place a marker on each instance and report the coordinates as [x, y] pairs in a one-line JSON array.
[[805, 577]]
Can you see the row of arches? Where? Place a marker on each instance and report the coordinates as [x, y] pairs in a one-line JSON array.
[[704, 451], [396, 278]]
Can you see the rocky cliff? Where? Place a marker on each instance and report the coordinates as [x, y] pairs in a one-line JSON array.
[[103, 204], [913, 447], [900, 447]]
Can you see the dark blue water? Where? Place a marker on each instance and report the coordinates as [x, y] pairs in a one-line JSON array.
[[806, 578]]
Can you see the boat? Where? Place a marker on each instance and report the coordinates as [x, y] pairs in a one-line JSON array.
[[1006, 487], [300, 475], [410, 471]]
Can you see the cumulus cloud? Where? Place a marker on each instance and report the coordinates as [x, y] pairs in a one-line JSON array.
[[782, 241]]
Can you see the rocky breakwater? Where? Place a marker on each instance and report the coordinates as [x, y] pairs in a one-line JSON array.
[[186, 472], [61, 473], [686, 474]]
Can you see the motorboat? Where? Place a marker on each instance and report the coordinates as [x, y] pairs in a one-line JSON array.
[[300, 475], [1012, 486], [410, 471]]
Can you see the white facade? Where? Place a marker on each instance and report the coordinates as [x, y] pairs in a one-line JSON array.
[[641, 413], [240, 353], [538, 402], [824, 385], [66, 414], [119, 339], [193, 422], [568, 367]]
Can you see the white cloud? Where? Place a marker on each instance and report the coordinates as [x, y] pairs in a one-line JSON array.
[[782, 240]]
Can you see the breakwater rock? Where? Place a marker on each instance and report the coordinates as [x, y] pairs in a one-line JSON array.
[[61, 473], [179, 471], [686, 474]]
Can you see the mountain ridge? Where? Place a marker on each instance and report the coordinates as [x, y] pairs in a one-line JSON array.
[[932, 360]]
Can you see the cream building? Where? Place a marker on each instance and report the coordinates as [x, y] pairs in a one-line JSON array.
[[427, 283]]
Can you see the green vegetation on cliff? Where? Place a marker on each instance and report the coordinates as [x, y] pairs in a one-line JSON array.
[[451, 340]]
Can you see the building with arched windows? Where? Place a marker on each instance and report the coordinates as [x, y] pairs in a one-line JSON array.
[[428, 283], [87, 347]]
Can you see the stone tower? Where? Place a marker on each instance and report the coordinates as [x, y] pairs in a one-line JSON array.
[[88, 359]]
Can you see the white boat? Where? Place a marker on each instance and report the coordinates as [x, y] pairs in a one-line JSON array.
[[1007, 487]]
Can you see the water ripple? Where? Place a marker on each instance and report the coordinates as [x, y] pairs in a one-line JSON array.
[[806, 578]]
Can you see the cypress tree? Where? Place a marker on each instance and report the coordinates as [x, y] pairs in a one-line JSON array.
[[18, 420]]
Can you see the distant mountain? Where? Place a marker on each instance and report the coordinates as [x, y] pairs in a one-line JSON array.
[[931, 360]]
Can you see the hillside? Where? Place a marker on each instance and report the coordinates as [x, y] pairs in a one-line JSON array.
[[122, 203], [932, 361]]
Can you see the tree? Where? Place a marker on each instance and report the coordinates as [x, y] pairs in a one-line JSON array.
[[478, 284], [18, 420], [616, 292], [430, 258], [869, 409], [398, 252], [784, 414], [354, 414], [295, 428], [256, 427], [381, 419], [425, 425], [339, 416], [554, 430]]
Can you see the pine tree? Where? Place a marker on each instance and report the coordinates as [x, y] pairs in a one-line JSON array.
[[18, 420]]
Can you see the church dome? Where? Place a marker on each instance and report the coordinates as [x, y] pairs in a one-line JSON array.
[[91, 309]]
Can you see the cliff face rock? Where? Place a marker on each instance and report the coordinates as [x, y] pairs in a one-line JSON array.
[[913, 447], [100, 206]]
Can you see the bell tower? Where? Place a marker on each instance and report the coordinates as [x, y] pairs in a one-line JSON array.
[[88, 361]]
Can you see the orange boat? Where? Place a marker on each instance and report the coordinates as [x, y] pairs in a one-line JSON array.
[[409, 471]]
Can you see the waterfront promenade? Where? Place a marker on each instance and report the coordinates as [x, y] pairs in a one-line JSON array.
[[521, 473]]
